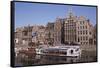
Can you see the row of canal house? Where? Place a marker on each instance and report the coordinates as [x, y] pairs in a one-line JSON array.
[[26, 35], [23, 37], [71, 29]]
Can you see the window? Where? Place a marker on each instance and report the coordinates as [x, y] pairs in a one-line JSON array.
[[84, 42], [71, 51], [78, 39], [25, 33], [86, 27], [83, 22], [90, 33], [77, 49], [83, 32], [80, 32], [83, 38], [71, 20], [80, 27], [86, 38], [86, 32], [81, 42], [75, 37], [80, 22], [64, 53], [83, 27], [68, 21]]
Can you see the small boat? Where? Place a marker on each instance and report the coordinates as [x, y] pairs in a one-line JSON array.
[[28, 52]]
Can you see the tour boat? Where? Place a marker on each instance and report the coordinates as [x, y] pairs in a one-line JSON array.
[[73, 51]]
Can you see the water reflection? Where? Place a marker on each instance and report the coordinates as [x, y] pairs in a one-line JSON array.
[[26, 60]]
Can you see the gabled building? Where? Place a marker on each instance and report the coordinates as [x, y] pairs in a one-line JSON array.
[[58, 31], [49, 33], [70, 29], [73, 30], [85, 28], [23, 37]]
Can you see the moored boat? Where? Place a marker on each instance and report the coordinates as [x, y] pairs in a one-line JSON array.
[[73, 51]]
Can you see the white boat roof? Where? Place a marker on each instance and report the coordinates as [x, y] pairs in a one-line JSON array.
[[60, 47]]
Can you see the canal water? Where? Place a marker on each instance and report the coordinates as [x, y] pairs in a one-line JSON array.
[[22, 60]]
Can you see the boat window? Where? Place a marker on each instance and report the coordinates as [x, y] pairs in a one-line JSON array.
[[64, 53], [71, 51], [77, 49]]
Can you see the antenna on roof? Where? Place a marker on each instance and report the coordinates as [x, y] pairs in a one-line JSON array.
[[70, 11]]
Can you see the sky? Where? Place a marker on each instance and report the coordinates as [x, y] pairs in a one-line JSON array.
[[41, 14]]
